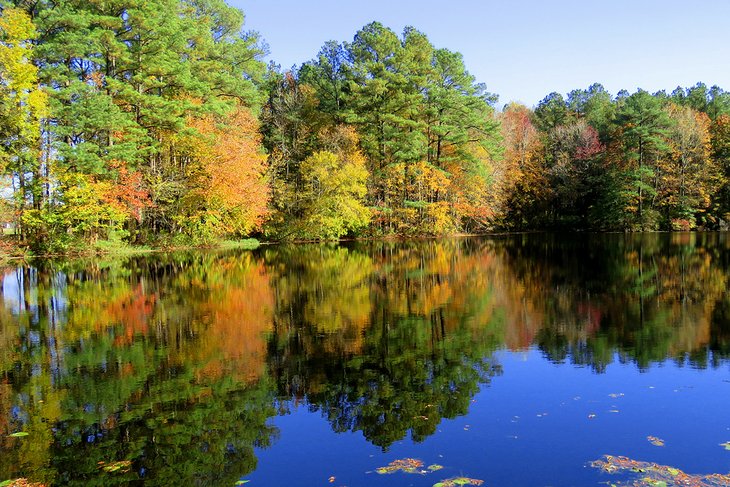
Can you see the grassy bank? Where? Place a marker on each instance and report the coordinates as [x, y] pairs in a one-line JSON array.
[[10, 249]]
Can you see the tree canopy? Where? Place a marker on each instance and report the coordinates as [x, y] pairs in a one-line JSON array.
[[156, 122]]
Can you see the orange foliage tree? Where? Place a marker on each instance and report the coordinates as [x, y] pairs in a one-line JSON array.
[[229, 187], [520, 181]]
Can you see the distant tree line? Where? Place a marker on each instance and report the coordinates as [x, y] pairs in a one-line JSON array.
[[156, 122]]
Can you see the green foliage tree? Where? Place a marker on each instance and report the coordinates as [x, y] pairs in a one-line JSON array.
[[720, 146], [644, 126], [551, 112]]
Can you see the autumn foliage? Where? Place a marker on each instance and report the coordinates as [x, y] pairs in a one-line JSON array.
[[160, 124], [229, 189]]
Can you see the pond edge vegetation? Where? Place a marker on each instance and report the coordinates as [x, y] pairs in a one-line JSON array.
[[157, 125]]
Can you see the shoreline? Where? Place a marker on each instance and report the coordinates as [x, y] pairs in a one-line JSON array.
[[10, 252]]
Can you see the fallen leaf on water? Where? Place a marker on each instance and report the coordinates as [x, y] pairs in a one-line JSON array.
[[726, 445], [405, 465], [655, 475], [122, 466], [655, 441], [332, 479], [20, 483], [458, 481], [435, 467]]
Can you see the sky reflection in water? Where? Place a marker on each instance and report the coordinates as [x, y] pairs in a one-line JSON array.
[[513, 360]]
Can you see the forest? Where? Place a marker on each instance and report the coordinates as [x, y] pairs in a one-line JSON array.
[[158, 123]]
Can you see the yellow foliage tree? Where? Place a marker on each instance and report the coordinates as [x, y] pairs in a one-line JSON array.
[[688, 176], [22, 106], [333, 192]]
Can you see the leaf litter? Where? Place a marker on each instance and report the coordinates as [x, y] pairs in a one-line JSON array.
[[655, 441], [408, 465], [416, 466], [655, 475], [122, 466], [452, 482]]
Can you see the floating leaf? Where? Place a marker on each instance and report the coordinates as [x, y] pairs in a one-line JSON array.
[[331, 479], [452, 482], [726, 445], [655, 475], [122, 466], [435, 467], [405, 465], [20, 483], [655, 441], [19, 434]]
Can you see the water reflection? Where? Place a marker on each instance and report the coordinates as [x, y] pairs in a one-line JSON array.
[[178, 362]]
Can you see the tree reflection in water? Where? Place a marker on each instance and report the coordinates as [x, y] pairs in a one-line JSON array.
[[178, 362]]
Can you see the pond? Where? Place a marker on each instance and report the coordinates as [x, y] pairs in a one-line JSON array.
[[504, 361]]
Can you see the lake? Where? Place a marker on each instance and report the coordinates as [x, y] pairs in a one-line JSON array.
[[505, 361]]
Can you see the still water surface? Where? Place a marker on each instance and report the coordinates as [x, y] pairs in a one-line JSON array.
[[516, 361]]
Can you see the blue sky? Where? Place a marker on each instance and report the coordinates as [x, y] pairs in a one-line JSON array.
[[525, 49]]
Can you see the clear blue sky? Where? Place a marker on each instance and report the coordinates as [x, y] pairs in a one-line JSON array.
[[524, 49]]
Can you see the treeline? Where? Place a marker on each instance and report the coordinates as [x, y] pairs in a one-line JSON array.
[[157, 122], [631, 162]]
